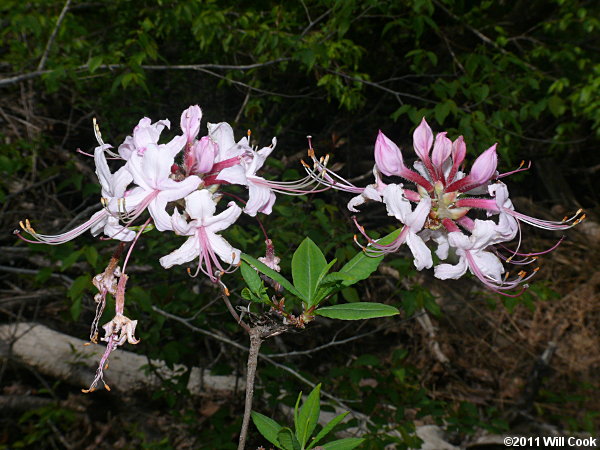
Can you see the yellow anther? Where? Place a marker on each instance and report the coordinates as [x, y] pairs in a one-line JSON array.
[[509, 259], [249, 133], [522, 274], [536, 269], [189, 271], [87, 391], [522, 164], [565, 219], [106, 366], [304, 164], [311, 153], [326, 159], [226, 291], [107, 387]]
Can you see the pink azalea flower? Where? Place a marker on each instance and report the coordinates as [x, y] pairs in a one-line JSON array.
[[151, 172], [443, 196], [147, 134], [260, 192], [106, 220], [204, 243]]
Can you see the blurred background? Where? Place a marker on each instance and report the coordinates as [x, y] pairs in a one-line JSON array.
[[524, 74]]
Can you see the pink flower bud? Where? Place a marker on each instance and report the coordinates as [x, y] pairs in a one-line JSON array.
[[422, 140], [387, 155], [484, 166], [190, 122], [441, 151], [204, 152], [459, 151]]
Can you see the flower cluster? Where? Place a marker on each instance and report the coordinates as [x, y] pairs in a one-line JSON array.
[[435, 207], [187, 173]]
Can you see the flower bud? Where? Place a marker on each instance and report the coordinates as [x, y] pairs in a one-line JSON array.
[[422, 140], [387, 155], [441, 151], [484, 166], [190, 122], [204, 152]]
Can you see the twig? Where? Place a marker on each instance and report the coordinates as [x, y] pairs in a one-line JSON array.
[[255, 342], [32, 186], [53, 35], [27, 76], [266, 358], [238, 319], [332, 343], [19, 270]]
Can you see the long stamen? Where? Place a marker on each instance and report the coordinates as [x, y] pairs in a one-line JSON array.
[[517, 170], [59, 238]]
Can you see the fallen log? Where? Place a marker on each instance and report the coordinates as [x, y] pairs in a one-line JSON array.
[[67, 358]]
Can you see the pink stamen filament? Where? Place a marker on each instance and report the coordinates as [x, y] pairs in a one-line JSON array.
[[59, 238]]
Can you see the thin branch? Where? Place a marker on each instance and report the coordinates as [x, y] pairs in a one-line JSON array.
[[37, 73], [481, 36], [19, 271], [53, 35], [332, 343], [396, 94], [266, 358], [256, 340], [235, 315]]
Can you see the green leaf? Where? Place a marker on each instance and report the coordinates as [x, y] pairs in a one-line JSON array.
[[91, 254], [251, 278], [556, 106], [296, 409], [323, 273], [79, 286], [357, 311], [350, 294], [362, 266], [267, 427], [308, 416], [330, 284], [343, 444], [94, 63], [287, 440], [75, 308], [70, 260], [272, 274], [327, 429], [441, 111], [307, 264]]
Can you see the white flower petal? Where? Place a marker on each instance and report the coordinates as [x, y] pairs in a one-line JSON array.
[[488, 264], [449, 271], [186, 253], [200, 205], [234, 175], [420, 251], [258, 197], [224, 219], [223, 249], [396, 204]]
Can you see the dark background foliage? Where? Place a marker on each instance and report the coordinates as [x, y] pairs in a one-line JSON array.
[[524, 74]]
